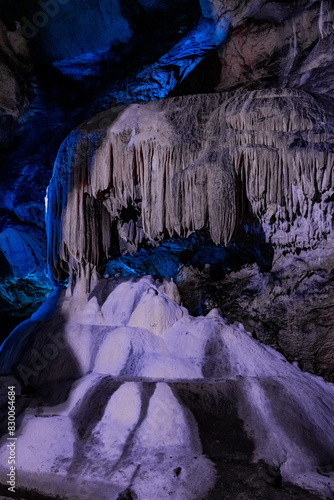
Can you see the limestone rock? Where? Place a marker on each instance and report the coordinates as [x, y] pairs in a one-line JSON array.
[[83, 42], [281, 45], [158, 413], [289, 308], [152, 171], [122, 391]]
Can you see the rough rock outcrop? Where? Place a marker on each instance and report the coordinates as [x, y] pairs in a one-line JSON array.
[[82, 41], [281, 44], [111, 40], [289, 308], [172, 167], [15, 65], [164, 404], [158, 80]]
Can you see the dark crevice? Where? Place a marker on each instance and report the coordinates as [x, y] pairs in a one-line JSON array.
[[84, 419], [147, 391]]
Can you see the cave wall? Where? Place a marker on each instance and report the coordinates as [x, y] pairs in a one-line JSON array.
[[130, 385]]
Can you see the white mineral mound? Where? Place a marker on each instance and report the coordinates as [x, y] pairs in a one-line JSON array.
[[150, 375]]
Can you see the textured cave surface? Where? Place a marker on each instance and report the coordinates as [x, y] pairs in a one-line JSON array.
[[170, 50], [15, 67], [253, 167], [42, 104], [192, 163], [178, 403], [177, 280]]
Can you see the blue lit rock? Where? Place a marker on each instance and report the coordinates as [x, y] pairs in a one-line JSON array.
[[71, 31], [22, 248], [23, 282], [125, 393], [169, 258], [15, 67], [158, 80], [78, 39]]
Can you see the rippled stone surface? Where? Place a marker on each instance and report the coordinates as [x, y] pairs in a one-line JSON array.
[[162, 404]]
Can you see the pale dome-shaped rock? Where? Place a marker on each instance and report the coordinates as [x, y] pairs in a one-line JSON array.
[[155, 312]]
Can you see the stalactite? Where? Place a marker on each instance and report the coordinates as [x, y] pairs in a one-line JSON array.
[[177, 163]]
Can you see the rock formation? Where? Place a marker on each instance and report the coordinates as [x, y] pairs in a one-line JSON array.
[[285, 46], [15, 65], [186, 350], [178, 401], [175, 171]]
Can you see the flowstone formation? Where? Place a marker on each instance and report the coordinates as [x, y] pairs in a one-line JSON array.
[[51, 84], [130, 394], [250, 167], [186, 350], [169, 168], [127, 52], [164, 404]]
